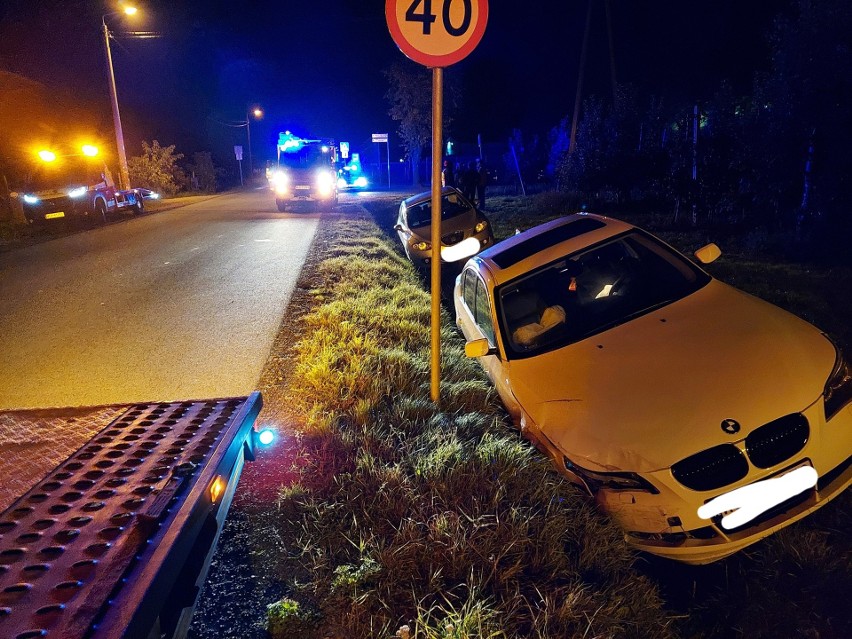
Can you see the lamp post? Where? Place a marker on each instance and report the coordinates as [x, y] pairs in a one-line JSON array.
[[123, 174], [257, 112]]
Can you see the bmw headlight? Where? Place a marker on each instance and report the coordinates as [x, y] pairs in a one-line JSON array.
[[613, 481], [422, 246], [79, 192], [838, 388], [481, 226], [31, 199]]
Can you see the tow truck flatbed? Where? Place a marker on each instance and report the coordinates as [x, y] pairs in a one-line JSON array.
[[116, 540]]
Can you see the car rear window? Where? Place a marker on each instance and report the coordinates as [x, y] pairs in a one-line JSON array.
[[539, 243], [421, 214]]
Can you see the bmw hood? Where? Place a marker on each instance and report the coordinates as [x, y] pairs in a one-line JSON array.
[[646, 394]]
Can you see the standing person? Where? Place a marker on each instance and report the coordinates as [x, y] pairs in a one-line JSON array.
[[467, 181], [481, 182], [448, 175]]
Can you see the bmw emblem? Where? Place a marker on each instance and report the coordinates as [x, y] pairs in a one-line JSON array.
[[730, 426]]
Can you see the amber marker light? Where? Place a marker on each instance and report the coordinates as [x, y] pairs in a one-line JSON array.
[[47, 156], [216, 489]]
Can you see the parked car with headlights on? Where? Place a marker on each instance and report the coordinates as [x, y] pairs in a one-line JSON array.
[[460, 221], [701, 418]]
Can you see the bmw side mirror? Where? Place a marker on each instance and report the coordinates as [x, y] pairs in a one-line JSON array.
[[397, 227], [707, 254], [479, 348]]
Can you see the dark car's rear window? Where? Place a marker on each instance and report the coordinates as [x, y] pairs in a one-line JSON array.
[[539, 243], [420, 215]]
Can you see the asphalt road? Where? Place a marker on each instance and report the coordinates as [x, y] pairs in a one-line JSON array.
[[182, 304]]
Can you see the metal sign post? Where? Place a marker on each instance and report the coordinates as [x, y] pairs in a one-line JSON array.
[[380, 138], [436, 37], [238, 151]]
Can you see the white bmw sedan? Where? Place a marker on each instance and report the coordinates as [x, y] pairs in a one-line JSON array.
[[701, 418]]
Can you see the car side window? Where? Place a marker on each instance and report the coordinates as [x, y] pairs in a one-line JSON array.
[[469, 290], [482, 311]]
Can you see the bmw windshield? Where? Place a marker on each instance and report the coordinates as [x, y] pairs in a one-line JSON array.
[[592, 290]]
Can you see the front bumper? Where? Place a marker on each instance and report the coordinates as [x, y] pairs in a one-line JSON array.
[[424, 256], [50, 210], [667, 524], [304, 193]]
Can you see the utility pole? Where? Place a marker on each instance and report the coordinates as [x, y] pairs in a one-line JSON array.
[[579, 96], [695, 118], [611, 54], [123, 173]]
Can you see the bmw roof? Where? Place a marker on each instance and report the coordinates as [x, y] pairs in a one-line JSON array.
[[547, 242]]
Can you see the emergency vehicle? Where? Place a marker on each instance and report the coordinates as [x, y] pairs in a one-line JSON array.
[[306, 173], [75, 189]]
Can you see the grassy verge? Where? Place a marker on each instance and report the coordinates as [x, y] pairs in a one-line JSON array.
[[445, 521]]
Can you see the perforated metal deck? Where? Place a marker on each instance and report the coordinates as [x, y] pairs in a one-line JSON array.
[[97, 547]]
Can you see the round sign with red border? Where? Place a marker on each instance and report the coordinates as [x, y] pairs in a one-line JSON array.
[[436, 33]]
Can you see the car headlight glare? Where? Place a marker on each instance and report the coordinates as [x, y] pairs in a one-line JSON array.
[[80, 191], [360, 181], [422, 246], [613, 481], [481, 226], [280, 178], [31, 199], [838, 388], [325, 180]]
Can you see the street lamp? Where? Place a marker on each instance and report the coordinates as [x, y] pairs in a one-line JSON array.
[[123, 174], [257, 112]]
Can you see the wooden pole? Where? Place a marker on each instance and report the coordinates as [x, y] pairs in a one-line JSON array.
[[578, 98]]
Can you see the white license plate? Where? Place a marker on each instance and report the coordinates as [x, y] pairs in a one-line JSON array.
[[747, 502], [302, 187], [53, 216]]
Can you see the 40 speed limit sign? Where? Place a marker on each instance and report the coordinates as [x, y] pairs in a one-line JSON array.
[[436, 33]]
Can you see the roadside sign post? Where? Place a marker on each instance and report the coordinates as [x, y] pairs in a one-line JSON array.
[[238, 151], [383, 138], [436, 34]]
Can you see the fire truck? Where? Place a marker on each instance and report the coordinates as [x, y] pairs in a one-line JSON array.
[[306, 173], [75, 190]]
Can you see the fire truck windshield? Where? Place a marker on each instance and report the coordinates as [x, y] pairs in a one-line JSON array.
[[309, 155]]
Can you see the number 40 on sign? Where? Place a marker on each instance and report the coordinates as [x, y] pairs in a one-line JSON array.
[[436, 33]]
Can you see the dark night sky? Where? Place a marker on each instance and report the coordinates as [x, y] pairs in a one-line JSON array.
[[315, 65]]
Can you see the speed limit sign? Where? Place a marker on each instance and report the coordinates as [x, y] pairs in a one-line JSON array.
[[436, 33]]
